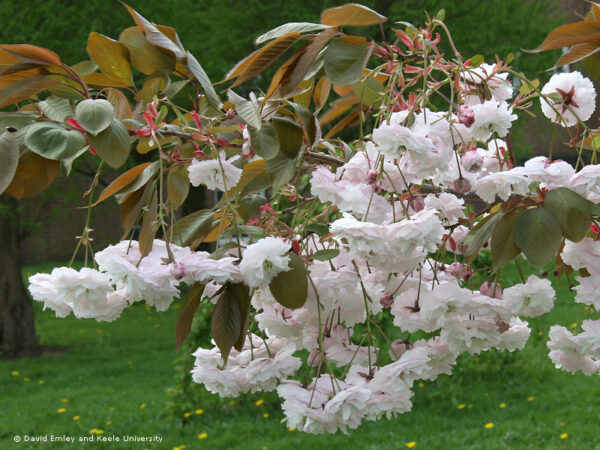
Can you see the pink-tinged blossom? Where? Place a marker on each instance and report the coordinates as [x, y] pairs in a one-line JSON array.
[[575, 98], [588, 291], [263, 260], [347, 195], [250, 370], [550, 174], [87, 293], [465, 333], [515, 336], [472, 161], [491, 117], [530, 299], [584, 254], [449, 207], [502, 184], [483, 82], [586, 182], [441, 358], [218, 173], [566, 352]]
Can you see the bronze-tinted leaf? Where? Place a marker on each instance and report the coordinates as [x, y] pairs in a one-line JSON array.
[[34, 174], [149, 224], [101, 80], [192, 227], [32, 54], [131, 208], [24, 89], [571, 34], [120, 103], [577, 53], [351, 14], [262, 58], [121, 182], [143, 55], [111, 56], [226, 322], [346, 58], [186, 314]]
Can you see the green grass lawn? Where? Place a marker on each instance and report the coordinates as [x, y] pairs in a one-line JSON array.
[[114, 377]]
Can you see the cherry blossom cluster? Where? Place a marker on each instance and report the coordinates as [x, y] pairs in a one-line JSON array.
[[399, 212]]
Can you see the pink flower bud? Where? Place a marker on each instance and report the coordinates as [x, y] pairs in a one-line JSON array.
[[416, 203], [397, 349], [372, 176], [466, 116], [314, 358], [472, 161], [387, 300], [461, 185], [490, 289], [230, 114], [178, 270], [458, 270]]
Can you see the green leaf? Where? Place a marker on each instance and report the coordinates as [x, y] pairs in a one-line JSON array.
[[112, 144], [94, 115], [194, 66], [241, 293], [226, 322], [281, 169], [248, 206], [476, 61], [53, 141], [264, 141], [290, 288], [56, 108], [503, 242], [538, 234], [148, 229], [574, 213], [480, 234], [9, 159], [16, 120], [369, 92], [345, 59], [246, 109], [326, 255], [173, 88], [186, 314], [289, 135], [192, 227], [292, 27], [178, 186]]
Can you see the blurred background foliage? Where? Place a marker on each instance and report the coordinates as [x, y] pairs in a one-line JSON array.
[[221, 32]]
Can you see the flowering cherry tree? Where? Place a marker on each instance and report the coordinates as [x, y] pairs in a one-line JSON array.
[[342, 271]]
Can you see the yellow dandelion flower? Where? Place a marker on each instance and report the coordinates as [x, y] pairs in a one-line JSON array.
[[61, 410], [541, 333], [259, 402], [177, 306], [156, 325], [112, 408], [14, 373], [564, 436], [41, 382], [266, 415], [187, 414], [64, 400], [573, 325], [462, 406], [142, 406], [411, 444], [231, 403], [99, 331], [530, 399], [202, 436], [421, 385], [265, 448], [502, 405], [27, 379], [108, 422], [469, 406], [292, 429], [199, 411], [76, 417], [489, 425], [148, 308]]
